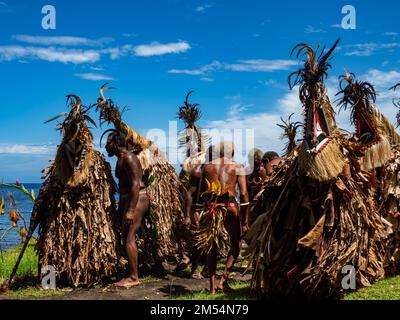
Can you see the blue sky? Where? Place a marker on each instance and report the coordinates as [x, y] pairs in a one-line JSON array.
[[234, 54]]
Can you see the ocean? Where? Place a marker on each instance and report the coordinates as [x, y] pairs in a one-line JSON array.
[[24, 205]]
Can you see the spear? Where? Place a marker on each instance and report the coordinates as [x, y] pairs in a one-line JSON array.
[[32, 226]]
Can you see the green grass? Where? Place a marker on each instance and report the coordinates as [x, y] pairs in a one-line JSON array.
[[27, 270], [28, 266], [31, 292], [387, 289]]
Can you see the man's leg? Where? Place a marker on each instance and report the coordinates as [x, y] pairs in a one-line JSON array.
[[131, 246], [232, 226], [195, 258], [212, 268], [196, 254]]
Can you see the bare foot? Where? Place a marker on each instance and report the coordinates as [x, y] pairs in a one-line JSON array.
[[213, 291], [127, 283], [224, 286], [197, 275]]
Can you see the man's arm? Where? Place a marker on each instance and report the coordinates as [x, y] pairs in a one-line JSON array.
[[133, 171], [189, 204], [244, 196], [194, 180]]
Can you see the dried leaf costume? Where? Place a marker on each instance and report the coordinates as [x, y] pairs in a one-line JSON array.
[[75, 208], [380, 143], [269, 188], [167, 208], [323, 219], [390, 200], [381, 155], [211, 231]]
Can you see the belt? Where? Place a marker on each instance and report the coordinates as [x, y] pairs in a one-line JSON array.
[[213, 207]]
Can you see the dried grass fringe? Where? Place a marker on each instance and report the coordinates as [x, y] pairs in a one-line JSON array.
[[377, 155], [325, 165]]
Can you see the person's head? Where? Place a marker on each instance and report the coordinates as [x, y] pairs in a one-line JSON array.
[[115, 143], [224, 149], [255, 156], [268, 156]]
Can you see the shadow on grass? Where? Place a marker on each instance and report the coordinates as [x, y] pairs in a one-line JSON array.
[[175, 290], [241, 291]]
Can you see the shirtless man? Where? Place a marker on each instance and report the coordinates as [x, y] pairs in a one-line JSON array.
[[133, 202], [229, 174]]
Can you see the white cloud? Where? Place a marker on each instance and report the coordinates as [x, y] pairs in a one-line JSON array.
[[203, 8], [368, 49], [311, 29], [391, 33], [26, 149], [51, 54], [157, 49], [382, 79], [97, 68], [78, 55], [94, 76], [255, 65], [268, 82], [260, 65], [215, 65], [336, 26], [206, 79], [61, 40], [194, 72], [236, 109]]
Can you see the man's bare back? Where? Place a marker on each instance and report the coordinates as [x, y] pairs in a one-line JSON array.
[[228, 174], [223, 171]]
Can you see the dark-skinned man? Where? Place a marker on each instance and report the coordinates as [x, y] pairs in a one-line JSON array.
[[223, 171], [133, 202]]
